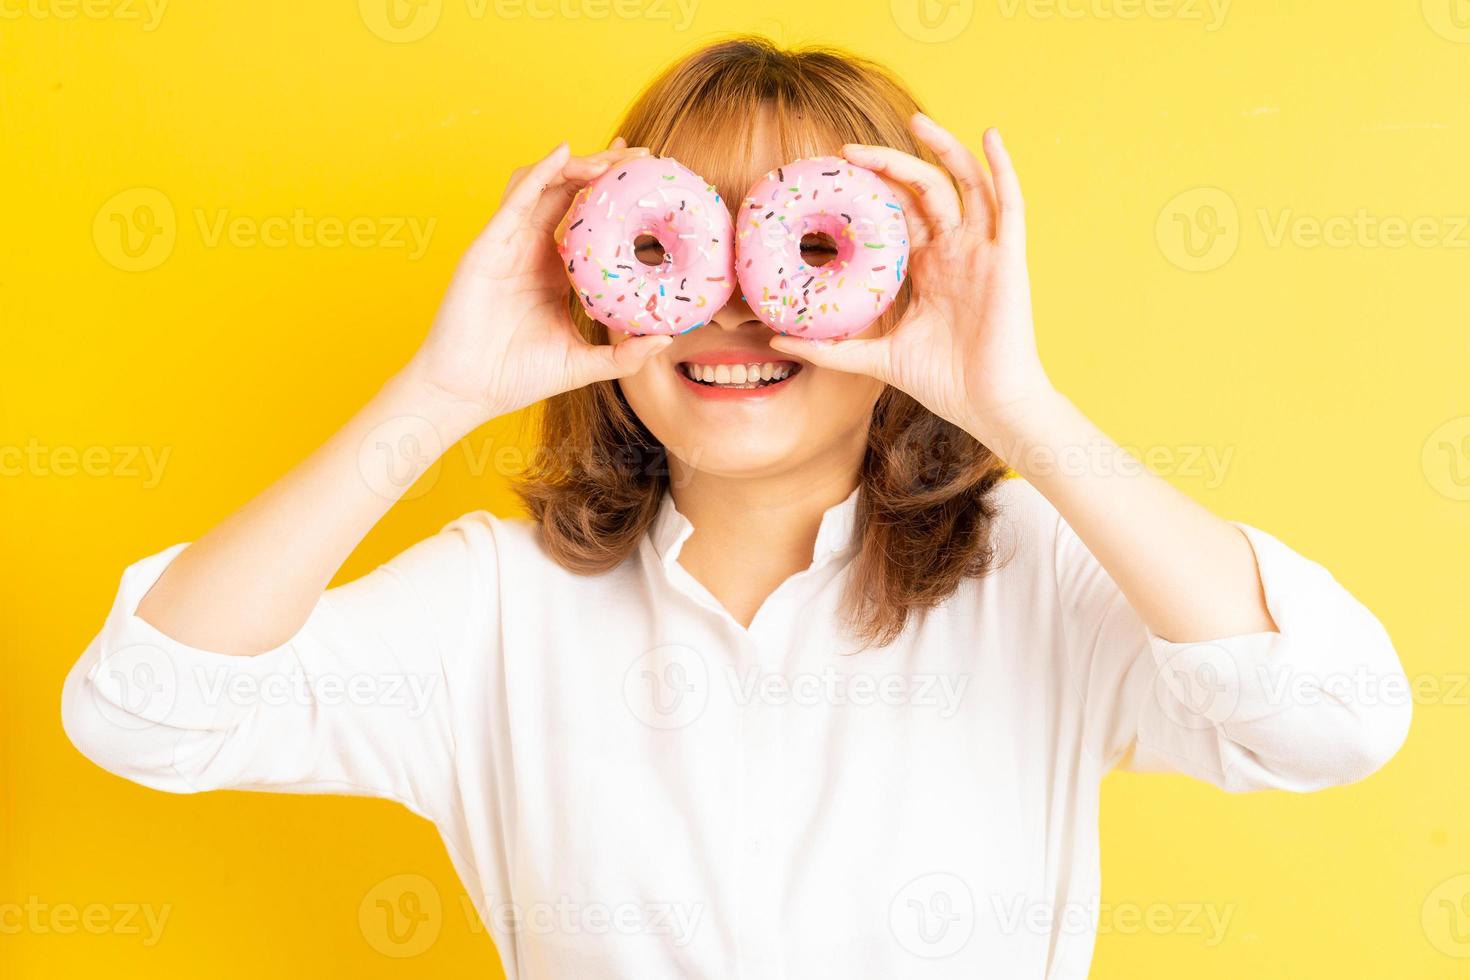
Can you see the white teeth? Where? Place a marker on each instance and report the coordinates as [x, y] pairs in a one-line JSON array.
[[745, 375]]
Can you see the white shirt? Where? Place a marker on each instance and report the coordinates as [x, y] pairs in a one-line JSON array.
[[630, 784]]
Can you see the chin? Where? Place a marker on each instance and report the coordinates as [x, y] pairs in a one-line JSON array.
[[736, 451], [728, 430]]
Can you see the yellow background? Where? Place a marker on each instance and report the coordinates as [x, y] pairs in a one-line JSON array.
[[1331, 378]]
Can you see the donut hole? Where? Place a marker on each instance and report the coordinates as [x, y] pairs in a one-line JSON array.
[[818, 248], [649, 250]]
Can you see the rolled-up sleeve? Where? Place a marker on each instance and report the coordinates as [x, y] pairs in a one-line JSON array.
[[357, 702], [1320, 702]]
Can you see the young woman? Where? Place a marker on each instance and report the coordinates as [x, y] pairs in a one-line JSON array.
[[784, 679]]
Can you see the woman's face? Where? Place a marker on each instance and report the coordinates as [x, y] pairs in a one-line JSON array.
[[814, 418]]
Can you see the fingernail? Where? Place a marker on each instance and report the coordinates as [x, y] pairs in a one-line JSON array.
[[925, 121]]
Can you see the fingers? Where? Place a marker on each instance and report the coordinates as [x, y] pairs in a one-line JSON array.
[[1010, 207], [919, 233], [550, 215], [604, 362], [938, 201], [592, 165], [853, 356], [989, 203], [527, 184], [538, 197], [555, 168], [977, 194]]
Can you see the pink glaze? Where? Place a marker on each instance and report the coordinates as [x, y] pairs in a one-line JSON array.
[[655, 196], [821, 195]]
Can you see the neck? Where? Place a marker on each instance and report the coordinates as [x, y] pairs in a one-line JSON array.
[[752, 533]]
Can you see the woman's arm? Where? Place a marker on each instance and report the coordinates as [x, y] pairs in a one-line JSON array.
[[227, 663], [502, 340], [1189, 575], [966, 349], [249, 584], [1196, 645]]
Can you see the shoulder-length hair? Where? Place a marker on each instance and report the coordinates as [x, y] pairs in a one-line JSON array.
[[595, 486]]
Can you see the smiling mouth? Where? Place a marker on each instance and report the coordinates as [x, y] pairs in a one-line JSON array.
[[764, 374]]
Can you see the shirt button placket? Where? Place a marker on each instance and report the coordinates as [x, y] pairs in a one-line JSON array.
[[758, 822]]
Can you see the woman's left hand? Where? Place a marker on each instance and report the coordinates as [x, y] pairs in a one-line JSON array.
[[965, 347]]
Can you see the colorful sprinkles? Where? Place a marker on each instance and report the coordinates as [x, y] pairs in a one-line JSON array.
[[658, 197], [857, 212]]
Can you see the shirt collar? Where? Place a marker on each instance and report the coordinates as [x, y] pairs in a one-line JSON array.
[[670, 529]]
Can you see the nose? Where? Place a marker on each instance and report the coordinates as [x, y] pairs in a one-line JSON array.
[[736, 315]]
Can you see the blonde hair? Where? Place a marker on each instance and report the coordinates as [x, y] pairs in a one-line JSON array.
[[923, 517]]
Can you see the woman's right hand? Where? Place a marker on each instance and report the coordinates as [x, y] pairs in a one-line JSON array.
[[503, 338]]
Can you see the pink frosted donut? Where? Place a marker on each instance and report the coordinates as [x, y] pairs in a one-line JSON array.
[[640, 201], [842, 207]]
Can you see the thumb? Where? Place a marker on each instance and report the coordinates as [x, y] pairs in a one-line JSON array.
[[604, 362], [853, 356]]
